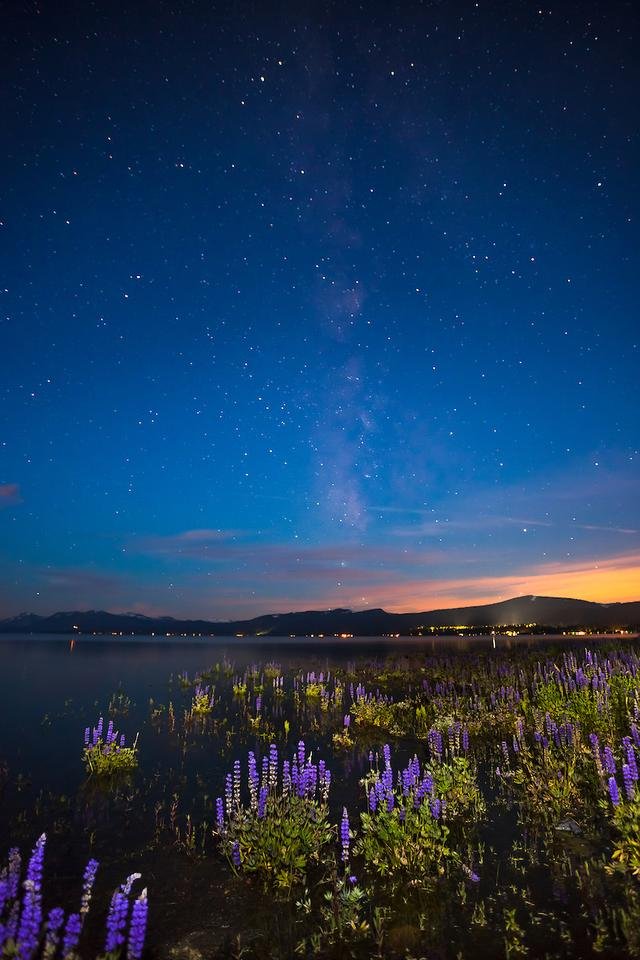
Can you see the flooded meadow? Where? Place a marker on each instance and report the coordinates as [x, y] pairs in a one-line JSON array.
[[383, 798]]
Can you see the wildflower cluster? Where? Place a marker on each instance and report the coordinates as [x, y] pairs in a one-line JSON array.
[[106, 752], [406, 831], [624, 799], [278, 825], [343, 739], [375, 709], [203, 700]]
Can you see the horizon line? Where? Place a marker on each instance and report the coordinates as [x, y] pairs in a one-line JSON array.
[[132, 613]]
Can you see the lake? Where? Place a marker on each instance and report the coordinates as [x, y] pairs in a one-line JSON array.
[[507, 851]]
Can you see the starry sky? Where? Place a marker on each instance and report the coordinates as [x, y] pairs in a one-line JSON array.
[[318, 304]]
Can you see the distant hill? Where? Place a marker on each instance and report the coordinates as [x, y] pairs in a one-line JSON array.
[[543, 612]]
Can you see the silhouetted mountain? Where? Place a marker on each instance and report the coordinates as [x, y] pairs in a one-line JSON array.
[[536, 612]]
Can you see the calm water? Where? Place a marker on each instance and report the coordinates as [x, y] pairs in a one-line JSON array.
[[51, 688]]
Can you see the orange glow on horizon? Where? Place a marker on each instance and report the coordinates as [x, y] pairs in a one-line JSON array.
[[614, 580]]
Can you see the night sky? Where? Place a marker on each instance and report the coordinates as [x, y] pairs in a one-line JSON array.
[[318, 304]]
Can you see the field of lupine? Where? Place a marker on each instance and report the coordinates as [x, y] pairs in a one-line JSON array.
[[419, 803]]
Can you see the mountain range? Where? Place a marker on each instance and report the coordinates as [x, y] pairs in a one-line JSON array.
[[531, 611]]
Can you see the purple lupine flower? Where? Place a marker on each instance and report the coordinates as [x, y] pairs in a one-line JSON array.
[[235, 854], [325, 785], [465, 739], [386, 753], [609, 762], [72, 931], [301, 753], [138, 927], [313, 779], [286, 778], [9, 881], [273, 766], [262, 802], [436, 808], [4, 887], [254, 779], [347, 720], [631, 761], [13, 873], [87, 736], [116, 921], [613, 791], [595, 749], [295, 776], [219, 813], [129, 882], [406, 782], [629, 784], [344, 835], [373, 800], [52, 935], [387, 778], [236, 782], [434, 739], [9, 927], [31, 916], [87, 886]]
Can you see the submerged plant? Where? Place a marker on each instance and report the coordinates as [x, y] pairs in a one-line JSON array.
[[203, 700], [106, 753], [343, 739]]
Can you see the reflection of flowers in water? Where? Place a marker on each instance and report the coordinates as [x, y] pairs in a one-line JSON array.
[[100, 797]]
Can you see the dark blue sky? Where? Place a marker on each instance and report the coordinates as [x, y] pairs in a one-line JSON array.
[[318, 305]]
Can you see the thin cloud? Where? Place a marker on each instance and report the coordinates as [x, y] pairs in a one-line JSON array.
[[197, 543], [9, 495], [234, 546], [599, 527], [440, 527]]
